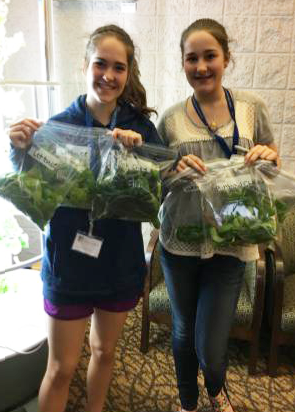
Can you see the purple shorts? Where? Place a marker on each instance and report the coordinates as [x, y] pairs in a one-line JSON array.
[[74, 312]]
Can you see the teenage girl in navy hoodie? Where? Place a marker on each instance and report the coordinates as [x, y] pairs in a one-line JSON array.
[[77, 285]]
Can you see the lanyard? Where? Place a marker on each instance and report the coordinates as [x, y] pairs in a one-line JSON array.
[[113, 121], [95, 160], [219, 139]]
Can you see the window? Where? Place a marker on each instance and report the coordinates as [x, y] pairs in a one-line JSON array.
[[26, 89]]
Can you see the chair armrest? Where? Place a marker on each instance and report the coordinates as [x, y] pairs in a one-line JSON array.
[[149, 260], [259, 292], [275, 285], [151, 245]]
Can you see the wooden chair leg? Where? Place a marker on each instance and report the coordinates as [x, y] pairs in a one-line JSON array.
[[275, 341], [254, 351]]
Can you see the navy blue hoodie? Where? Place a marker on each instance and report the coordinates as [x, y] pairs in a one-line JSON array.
[[70, 277]]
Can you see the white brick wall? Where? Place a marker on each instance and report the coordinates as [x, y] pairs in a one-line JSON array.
[[263, 47]]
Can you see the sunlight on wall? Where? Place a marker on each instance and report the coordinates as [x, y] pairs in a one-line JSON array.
[[8, 45], [11, 106]]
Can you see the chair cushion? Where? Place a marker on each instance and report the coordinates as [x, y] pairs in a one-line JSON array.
[[159, 304], [287, 242], [244, 311], [157, 273], [250, 278], [159, 300], [288, 310]]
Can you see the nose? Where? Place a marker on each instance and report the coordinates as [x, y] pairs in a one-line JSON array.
[[108, 75], [202, 66]]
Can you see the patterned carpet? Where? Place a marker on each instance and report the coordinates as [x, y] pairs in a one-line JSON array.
[[146, 383]]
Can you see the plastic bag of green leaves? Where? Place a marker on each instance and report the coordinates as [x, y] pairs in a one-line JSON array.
[[281, 184], [58, 168], [129, 183], [240, 207], [182, 213]]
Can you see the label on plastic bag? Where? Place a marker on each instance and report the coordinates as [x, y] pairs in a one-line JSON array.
[[234, 182], [75, 159], [43, 156], [83, 152], [134, 163]]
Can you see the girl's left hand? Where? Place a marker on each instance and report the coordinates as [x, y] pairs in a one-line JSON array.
[[129, 138], [261, 152]]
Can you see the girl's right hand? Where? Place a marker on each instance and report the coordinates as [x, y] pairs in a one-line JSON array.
[[191, 161], [21, 133]]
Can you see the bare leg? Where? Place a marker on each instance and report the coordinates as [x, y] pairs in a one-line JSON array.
[[106, 328], [65, 339]]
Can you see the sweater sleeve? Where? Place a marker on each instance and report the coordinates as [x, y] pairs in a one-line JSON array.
[[161, 128], [263, 133], [16, 156], [19, 159]]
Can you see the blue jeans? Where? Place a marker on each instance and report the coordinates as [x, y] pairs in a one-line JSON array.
[[203, 295]]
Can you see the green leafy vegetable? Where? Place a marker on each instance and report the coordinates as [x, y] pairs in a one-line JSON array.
[[133, 195], [39, 191], [246, 215], [129, 194], [82, 190]]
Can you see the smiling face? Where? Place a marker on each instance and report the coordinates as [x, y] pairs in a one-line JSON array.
[[106, 72], [204, 63]]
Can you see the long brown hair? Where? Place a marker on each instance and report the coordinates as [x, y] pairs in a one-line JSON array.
[[134, 92]]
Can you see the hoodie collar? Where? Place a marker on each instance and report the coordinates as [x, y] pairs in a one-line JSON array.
[[91, 122], [125, 114]]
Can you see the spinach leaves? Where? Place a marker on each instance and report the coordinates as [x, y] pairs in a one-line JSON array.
[[129, 194]]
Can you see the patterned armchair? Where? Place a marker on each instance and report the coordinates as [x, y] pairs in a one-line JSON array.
[[280, 292], [156, 307]]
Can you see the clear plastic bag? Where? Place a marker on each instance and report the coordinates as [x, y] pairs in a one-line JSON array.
[[239, 206], [230, 205], [281, 184], [59, 168], [182, 213], [129, 182]]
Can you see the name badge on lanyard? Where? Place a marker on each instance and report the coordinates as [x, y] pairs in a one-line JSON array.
[[86, 243]]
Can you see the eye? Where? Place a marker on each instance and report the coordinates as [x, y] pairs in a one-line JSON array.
[[99, 63], [192, 59], [120, 68], [211, 56]]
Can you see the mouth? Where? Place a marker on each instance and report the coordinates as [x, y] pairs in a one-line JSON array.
[[200, 78], [106, 86]]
